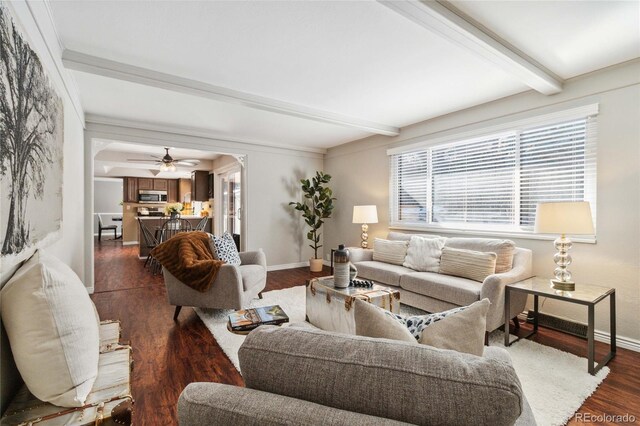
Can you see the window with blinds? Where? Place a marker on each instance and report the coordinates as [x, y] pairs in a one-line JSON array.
[[494, 182]]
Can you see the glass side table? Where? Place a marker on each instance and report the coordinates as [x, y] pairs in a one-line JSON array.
[[584, 294]]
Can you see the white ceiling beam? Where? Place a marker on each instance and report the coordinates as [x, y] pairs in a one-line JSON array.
[[107, 68], [439, 19]]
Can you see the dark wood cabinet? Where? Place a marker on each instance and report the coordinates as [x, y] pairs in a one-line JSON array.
[[145, 183], [172, 190], [130, 189], [211, 186], [160, 185], [200, 185]]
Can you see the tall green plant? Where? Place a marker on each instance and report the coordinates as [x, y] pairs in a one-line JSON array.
[[317, 206]]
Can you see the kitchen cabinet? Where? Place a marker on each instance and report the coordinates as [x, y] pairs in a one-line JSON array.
[[160, 185], [130, 187], [172, 190], [184, 188], [145, 183], [211, 186], [200, 185]]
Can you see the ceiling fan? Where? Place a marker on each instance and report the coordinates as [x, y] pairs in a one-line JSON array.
[[168, 163]]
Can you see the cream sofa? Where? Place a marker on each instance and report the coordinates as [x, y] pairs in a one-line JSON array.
[[434, 292]]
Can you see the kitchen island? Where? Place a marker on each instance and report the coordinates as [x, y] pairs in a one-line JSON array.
[[154, 224]]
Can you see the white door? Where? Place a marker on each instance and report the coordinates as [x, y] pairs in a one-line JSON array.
[[231, 207]]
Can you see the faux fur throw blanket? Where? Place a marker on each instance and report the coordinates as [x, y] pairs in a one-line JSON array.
[[188, 257]]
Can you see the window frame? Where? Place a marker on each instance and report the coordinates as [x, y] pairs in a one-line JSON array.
[[513, 126]]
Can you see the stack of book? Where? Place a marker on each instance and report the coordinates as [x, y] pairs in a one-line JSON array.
[[248, 319]]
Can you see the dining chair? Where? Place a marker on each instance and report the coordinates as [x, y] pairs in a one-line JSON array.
[[202, 224], [150, 242], [174, 226], [101, 228]]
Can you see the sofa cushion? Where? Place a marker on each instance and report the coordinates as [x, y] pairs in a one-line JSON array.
[[401, 236], [456, 290], [504, 249], [53, 330], [423, 254], [475, 265], [252, 275], [460, 329], [388, 251], [373, 321], [413, 383], [381, 272]]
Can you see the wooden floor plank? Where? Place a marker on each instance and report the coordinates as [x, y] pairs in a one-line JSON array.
[[169, 355]]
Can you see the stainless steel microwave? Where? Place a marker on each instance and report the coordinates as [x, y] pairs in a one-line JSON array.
[[152, 196]]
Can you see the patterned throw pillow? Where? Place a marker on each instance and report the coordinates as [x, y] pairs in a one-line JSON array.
[[459, 329], [225, 249], [417, 323]]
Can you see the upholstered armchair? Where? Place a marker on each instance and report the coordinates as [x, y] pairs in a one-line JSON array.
[[234, 287]]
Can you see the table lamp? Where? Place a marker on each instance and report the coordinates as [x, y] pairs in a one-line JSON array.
[[563, 218], [365, 215]]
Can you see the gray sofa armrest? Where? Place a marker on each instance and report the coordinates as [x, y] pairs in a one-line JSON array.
[[253, 258], [493, 288], [358, 254], [215, 403]]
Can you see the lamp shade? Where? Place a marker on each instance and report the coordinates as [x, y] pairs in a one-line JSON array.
[[365, 214], [572, 218]]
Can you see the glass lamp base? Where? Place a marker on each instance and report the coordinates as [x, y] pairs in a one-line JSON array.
[[563, 285]]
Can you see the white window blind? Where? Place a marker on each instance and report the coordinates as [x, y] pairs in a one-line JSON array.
[[494, 182]]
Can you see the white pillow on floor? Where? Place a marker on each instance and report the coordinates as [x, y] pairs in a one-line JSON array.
[[424, 254], [52, 327]]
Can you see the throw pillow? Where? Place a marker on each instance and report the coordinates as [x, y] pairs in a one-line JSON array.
[[460, 329], [53, 330], [371, 321], [504, 249], [423, 254], [475, 265], [389, 251], [225, 249]]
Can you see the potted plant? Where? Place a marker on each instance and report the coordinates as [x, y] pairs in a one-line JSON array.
[[173, 210], [316, 207]]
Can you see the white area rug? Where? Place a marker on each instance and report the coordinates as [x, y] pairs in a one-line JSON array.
[[556, 383]]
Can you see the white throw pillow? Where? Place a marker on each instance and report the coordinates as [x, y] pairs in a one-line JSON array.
[[389, 251], [53, 330], [475, 265], [424, 254]]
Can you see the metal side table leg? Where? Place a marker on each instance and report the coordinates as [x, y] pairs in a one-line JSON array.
[[591, 347]]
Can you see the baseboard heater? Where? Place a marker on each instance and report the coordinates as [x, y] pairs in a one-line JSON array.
[[560, 324]]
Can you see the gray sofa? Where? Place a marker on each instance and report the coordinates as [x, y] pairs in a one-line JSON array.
[[301, 376], [434, 292], [233, 288]]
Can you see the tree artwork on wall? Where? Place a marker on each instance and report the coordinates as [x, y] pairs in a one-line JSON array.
[[31, 142]]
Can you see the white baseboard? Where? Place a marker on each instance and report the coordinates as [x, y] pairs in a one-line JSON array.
[[293, 265], [130, 243], [605, 337], [287, 266]]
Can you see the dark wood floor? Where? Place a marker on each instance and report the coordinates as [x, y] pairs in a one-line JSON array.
[[169, 355]]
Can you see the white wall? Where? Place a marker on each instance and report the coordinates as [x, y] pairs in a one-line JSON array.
[[34, 23], [108, 196], [361, 172], [274, 181]]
